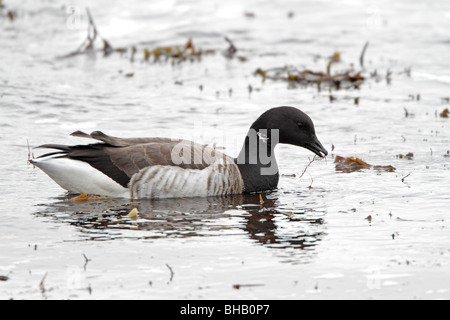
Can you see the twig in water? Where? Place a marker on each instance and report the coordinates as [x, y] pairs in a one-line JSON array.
[[41, 284], [86, 261], [312, 181], [361, 59], [92, 27], [30, 154], [403, 179], [238, 286], [171, 272], [88, 43], [307, 166], [229, 53], [406, 112]]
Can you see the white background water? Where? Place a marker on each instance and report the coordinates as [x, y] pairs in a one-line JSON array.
[[302, 243]]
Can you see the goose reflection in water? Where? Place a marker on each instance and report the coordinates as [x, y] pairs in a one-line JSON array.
[[294, 232]]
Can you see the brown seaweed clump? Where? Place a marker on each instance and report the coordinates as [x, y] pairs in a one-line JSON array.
[[347, 79], [7, 13], [445, 113], [174, 54], [352, 164]]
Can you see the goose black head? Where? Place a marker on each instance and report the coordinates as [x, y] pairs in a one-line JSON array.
[[292, 127]]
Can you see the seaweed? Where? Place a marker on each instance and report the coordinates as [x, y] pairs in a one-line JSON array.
[[175, 54], [89, 43], [7, 13], [347, 79], [352, 164], [408, 156]]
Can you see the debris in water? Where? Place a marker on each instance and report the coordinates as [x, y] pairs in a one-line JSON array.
[[86, 261], [352, 164], [107, 48], [4, 278], [291, 74], [403, 179], [41, 284], [81, 197], [88, 44], [445, 113], [133, 213], [9, 13], [133, 53], [361, 59], [306, 168], [229, 53], [347, 79], [175, 54], [408, 114], [408, 156], [388, 77], [146, 54], [84, 197], [238, 286], [171, 273]]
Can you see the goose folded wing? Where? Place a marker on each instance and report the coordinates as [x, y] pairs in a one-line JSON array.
[[120, 158]]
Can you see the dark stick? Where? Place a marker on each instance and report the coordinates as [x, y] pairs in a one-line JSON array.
[[361, 59]]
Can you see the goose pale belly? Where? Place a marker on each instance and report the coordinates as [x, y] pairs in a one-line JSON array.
[[220, 178]]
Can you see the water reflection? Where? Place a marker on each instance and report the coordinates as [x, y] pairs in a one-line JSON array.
[[293, 232]]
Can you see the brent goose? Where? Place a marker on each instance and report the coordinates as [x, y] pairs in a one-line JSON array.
[[140, 168]]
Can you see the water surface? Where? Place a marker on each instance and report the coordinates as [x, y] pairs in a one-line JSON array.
[[329, 234]]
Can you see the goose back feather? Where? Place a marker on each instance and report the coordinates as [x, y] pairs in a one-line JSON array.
[[153, 167]]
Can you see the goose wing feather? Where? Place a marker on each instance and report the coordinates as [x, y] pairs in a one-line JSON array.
[[121, 158]]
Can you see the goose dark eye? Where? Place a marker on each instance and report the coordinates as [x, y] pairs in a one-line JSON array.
[[300, 125]]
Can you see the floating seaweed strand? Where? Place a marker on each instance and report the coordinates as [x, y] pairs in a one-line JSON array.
[[345, 80], [88, 44], [178, 54]]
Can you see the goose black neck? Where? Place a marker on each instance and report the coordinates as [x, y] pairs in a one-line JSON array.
[[257, 163]]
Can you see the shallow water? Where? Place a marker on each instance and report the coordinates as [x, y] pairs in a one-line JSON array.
[[329, 234]]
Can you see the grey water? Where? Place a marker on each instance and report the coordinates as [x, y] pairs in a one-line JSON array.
[[324, 233]]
